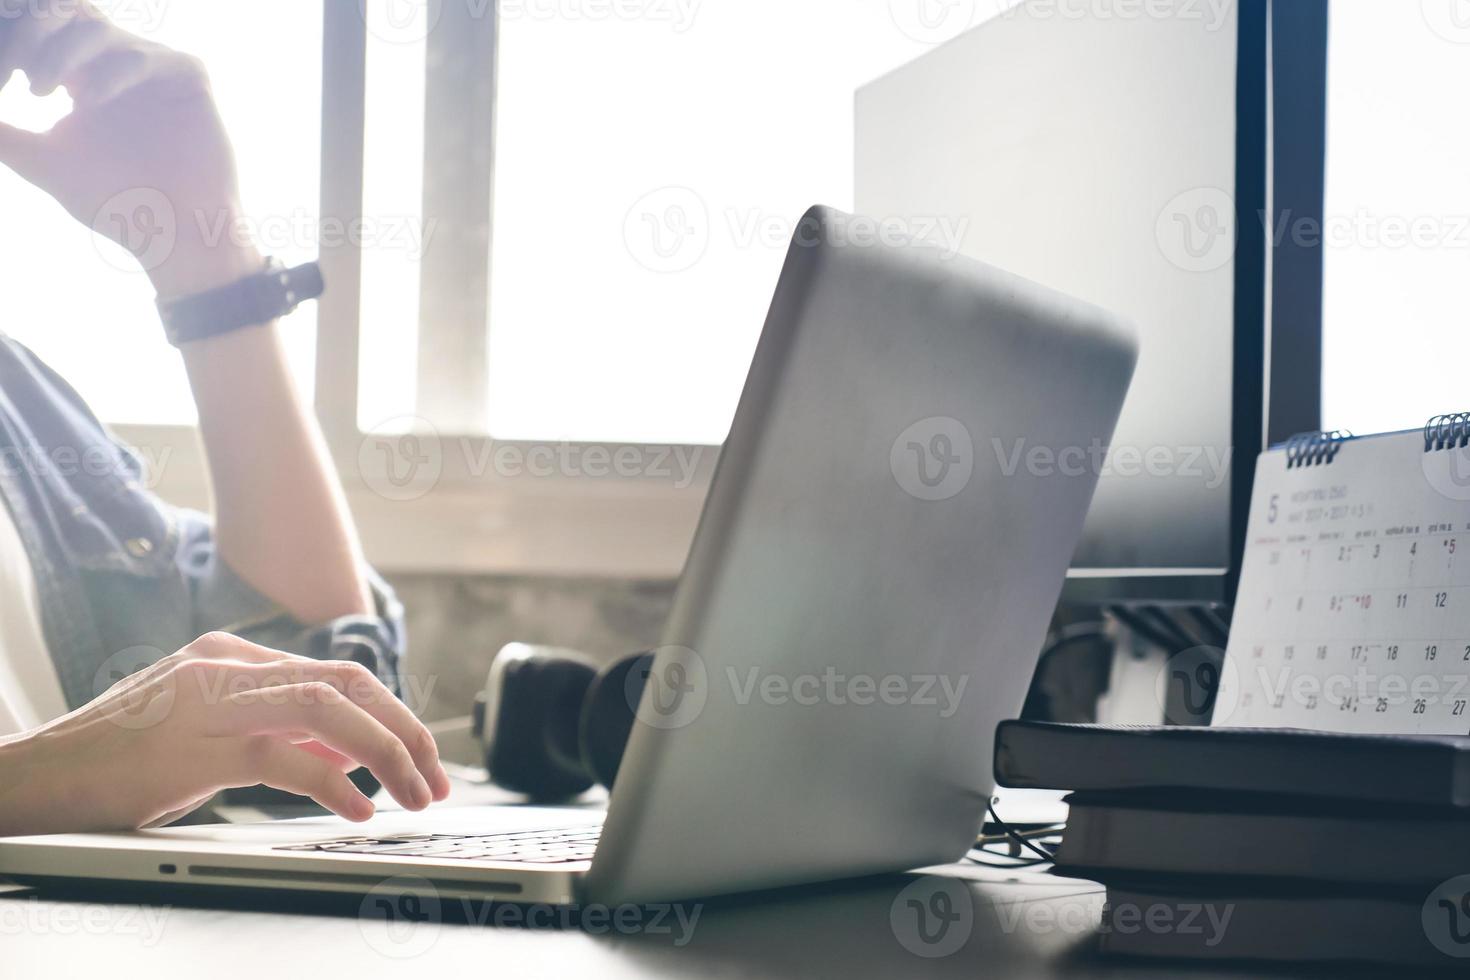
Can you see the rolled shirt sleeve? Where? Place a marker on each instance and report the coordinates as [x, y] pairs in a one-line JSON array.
[[222, 601]]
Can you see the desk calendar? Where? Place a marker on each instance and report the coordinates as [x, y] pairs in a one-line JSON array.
[[1353, 611]]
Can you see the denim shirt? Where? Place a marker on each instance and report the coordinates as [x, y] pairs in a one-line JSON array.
[[125, 579]]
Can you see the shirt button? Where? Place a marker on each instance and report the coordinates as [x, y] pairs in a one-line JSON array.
[[139, 547]]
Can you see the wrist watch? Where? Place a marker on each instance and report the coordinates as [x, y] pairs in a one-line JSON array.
[[254, 301]]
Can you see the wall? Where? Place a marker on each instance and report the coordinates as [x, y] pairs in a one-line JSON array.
[[457, 623]]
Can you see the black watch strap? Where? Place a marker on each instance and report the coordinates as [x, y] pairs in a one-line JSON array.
[[251, 302]]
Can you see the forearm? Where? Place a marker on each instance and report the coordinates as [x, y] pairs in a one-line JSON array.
[[282, 522], [144, 117], [37, 795]]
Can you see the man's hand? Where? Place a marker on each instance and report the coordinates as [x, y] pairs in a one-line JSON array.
[[221, 713], [143, 158]]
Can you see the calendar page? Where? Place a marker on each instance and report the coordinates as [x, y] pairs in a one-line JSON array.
[[1353, 612]]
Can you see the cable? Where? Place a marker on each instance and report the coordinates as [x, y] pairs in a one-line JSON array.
[[1169, 626], [1142, 627], [1015, 836], [1214, 630]]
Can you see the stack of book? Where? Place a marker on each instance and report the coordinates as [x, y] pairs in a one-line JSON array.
[[1262, 845]]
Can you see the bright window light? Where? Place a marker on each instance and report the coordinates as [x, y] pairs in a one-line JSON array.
[[1398, 207], [393, 197], [650, 166], [80, 302]]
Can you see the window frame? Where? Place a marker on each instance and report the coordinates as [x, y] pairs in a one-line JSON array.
[[474, 520]]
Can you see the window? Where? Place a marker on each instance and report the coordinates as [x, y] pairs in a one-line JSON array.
[[1398, 216], [82, 304], [570, 218], [650, 162]]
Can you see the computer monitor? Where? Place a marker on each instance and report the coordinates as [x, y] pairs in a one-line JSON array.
[[1145, 158]]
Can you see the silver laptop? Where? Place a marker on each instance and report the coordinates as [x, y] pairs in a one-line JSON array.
[[882, 548]]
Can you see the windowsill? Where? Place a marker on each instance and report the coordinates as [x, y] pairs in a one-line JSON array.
[[607, 527]]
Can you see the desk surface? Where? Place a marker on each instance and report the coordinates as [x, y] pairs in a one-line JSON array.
[[1020, 925], [1026, 927]]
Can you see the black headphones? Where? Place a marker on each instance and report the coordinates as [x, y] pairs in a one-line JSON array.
[[552, 724]]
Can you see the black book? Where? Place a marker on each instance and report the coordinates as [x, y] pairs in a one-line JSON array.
[[1422, 771], [1337, 926], [1247, 837]]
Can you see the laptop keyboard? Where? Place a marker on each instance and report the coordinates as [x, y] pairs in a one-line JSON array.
[[528, 847]]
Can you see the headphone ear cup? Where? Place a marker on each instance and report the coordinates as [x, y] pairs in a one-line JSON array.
[[608, 712], [528, 721]]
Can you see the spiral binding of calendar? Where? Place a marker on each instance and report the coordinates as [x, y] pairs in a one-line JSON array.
[[1447, 432], [1314, 448]]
